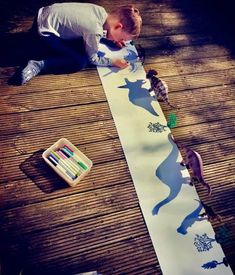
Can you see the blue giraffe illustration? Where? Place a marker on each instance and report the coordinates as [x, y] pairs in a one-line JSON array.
[[139, 96], [169, 173]]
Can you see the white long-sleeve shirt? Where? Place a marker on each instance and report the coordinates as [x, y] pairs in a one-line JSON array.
[[74, 20]]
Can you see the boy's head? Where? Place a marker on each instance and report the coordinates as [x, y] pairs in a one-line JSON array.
[[123, 24]]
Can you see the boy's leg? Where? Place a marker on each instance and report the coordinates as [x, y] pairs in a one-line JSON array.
[[66, 57], [65, 60]]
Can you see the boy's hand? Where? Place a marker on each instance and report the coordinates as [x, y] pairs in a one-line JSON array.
[[120, 63]]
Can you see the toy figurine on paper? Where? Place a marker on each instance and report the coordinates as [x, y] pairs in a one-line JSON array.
[[172, 121], [133, 57], [194, 162], [141, 53], [159, 87], [210, 213]]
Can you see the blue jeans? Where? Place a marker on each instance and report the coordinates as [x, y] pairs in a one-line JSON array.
[[65, 57]]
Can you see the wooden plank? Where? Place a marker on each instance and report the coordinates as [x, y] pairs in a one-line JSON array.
[[200, 80], [29, 142], [25, 102], [13, 145], [205, 113], [43, 187], [86, 235], [222, 150], [72, 115], [53, 118], [153, 55], [112, 259], [201, 96], [18, 103], [79, 79], [65, 210], [20, 191], [99, 152], [205, 132], [193, 66], [157, 51]]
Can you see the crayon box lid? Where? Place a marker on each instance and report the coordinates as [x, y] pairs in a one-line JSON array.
[[67, 161]]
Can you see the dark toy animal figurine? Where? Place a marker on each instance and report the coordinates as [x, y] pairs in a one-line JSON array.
[[141, 53], [210, 213], [194, 162], [159, 87]]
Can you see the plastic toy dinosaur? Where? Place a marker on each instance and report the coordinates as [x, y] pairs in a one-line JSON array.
[[194, 162], [159, 87]]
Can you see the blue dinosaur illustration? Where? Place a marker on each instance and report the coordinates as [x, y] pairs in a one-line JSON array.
[[170, 176], [131, 56], [139, 96], [189, 220], [102, 54]]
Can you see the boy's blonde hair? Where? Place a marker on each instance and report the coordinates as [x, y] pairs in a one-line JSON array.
[[130, 18]]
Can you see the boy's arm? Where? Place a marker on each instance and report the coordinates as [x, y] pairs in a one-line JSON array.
[[92, 43]]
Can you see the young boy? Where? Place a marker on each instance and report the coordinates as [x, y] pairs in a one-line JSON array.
[[61, 23]]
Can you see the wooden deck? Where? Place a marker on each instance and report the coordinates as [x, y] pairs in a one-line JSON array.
[[48, 228]]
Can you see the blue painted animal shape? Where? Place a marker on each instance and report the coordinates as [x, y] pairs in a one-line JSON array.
[[193, 161], [173, 179], [139, 96], [189, 220], [159, 87]]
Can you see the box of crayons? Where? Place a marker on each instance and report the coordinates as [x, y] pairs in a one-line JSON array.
[[67, 161]]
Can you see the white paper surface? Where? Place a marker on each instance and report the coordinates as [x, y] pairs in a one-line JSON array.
[[169, 204]]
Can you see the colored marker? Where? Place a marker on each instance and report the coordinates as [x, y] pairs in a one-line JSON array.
[[69, 163], [63, 164], [59, 167], [66, 146], [78, 160], [82, 165], [69, 155]]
